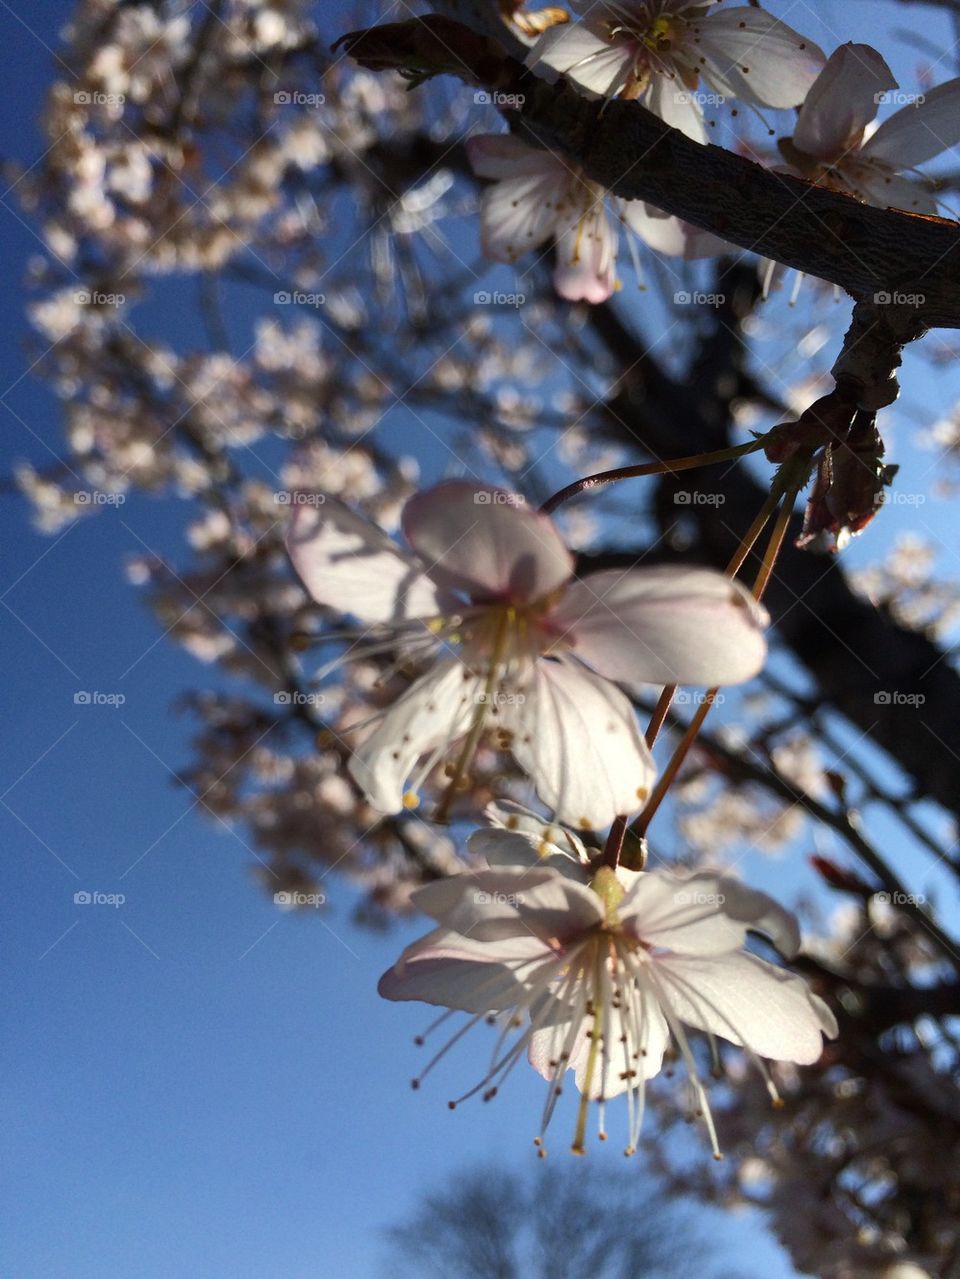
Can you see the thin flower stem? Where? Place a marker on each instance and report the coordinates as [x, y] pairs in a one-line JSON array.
[[774, 546], [649, 468], [642, 823], [614, 845]]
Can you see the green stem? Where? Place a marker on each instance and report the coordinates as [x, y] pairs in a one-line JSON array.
[[667, 467]]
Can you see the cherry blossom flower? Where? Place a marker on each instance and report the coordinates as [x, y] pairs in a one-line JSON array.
[[659, 50], [537, 196], [833, 145], [518, 644], [604, 973]]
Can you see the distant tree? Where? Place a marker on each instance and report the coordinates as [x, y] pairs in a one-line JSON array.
[[571, 1221]]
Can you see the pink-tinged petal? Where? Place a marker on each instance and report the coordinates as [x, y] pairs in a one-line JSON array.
[[438, 708], [754, 56], [582, 53], [351, 565], [517, 215], [748, 1002], [877, 185], [587, 257], [443, 943], [917, 133], [670, 235], [467, 985], [576, 736], [486, 542], [442, 970], [667, 98], [511, 901], [842, 101], [501, 155], [703, 914], [664, 625]]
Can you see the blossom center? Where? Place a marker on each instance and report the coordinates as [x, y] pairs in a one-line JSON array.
[[504, 639], [656, 43]]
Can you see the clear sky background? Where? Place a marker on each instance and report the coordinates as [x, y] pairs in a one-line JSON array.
[[196, 1083]]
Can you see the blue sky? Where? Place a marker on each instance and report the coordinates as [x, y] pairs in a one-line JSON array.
[[196, 1084]]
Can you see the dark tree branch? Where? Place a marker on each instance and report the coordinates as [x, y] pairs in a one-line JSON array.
[[636, 156]]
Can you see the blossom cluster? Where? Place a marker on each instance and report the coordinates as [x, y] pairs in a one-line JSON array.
[[599, 970], [659, 52], [482, 663]]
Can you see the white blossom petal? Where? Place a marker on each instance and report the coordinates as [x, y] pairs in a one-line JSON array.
[[704, 914], [519, 213], [877, 185], [486, 542], [748, 1002], [447, 970], [582, 52], [438, 708], [667, 234], [667, 98], [664, 625], [842, 101], [519, 837], [510, 901], [515, 217], [349, 564], [576, 736], [917, 133], [547, 1043], [754, 56]]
